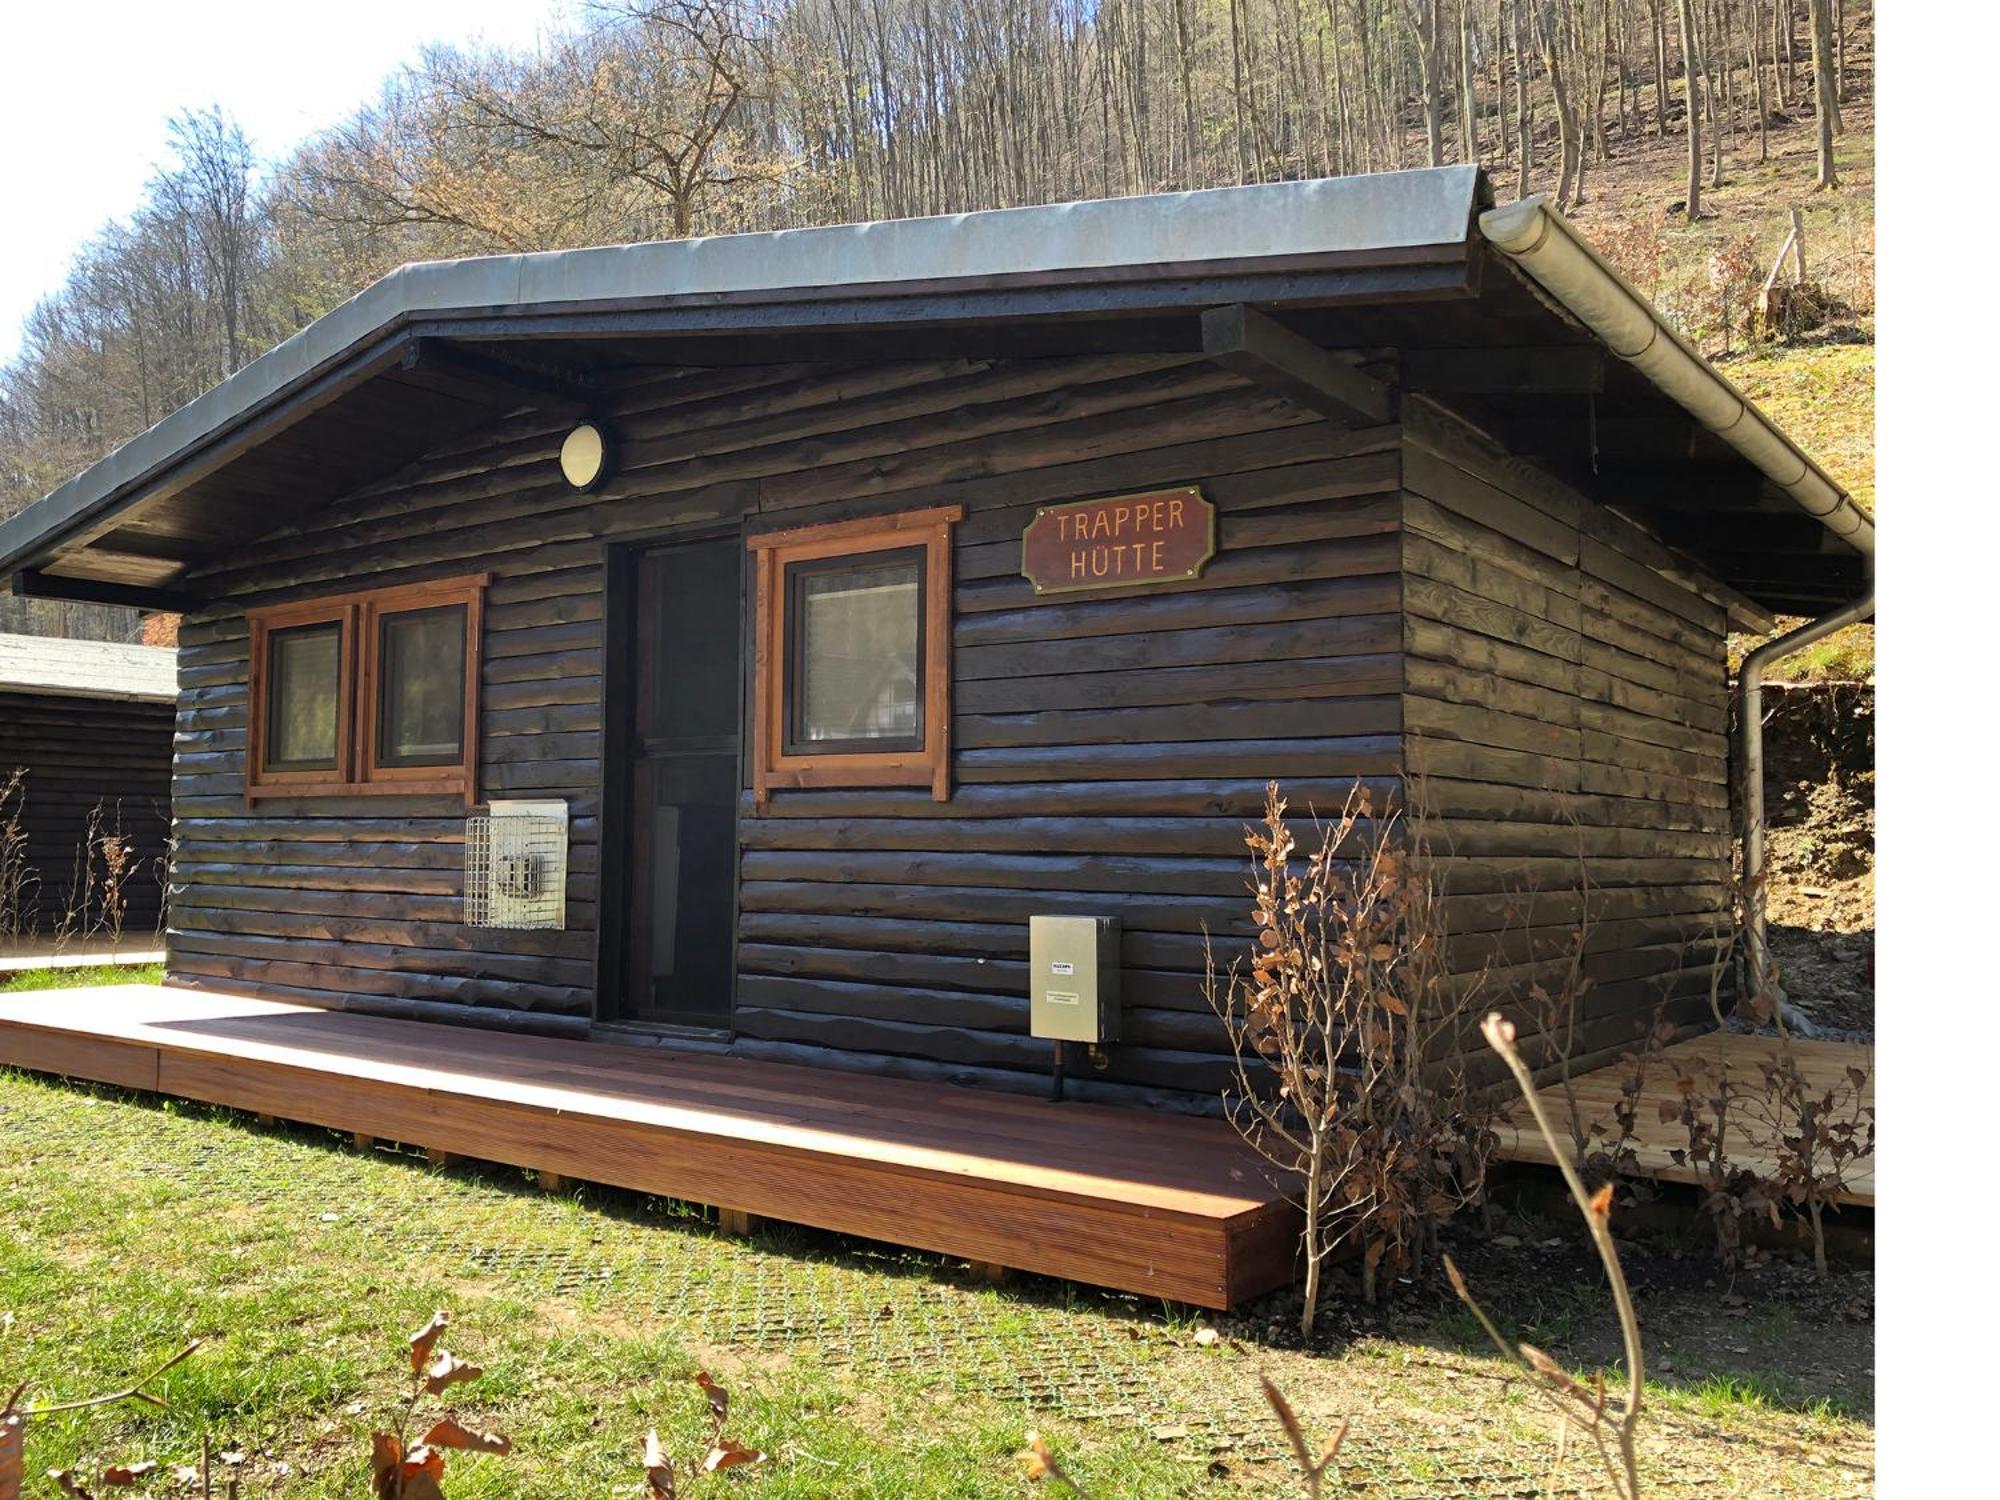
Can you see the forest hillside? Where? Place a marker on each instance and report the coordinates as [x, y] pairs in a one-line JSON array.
[[1681, 134]]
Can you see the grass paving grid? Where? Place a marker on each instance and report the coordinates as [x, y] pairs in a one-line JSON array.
[[1428, 1422]]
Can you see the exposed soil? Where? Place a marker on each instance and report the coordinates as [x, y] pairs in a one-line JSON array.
[[1819, 791]]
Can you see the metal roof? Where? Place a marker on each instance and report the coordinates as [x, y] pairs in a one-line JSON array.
[[86, 669]]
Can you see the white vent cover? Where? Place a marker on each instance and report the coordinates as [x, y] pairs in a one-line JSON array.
[[517, 865]]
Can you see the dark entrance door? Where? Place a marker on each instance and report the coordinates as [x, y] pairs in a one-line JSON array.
[[687, 711]]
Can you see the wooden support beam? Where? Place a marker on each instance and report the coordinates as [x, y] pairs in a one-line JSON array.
[[482, 377], [736, 1221], [993, 1271], [32, 583], [363, 1142], [554, 1182], [443, 1160], [267, 1122], [1242, 339], [1510, 371]]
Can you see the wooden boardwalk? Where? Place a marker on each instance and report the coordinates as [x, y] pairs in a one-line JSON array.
[[1597, 1094], [1158, 1204]]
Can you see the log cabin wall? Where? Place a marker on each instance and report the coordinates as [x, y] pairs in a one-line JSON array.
[[1566, 715], [1106, 749], [81, 754]]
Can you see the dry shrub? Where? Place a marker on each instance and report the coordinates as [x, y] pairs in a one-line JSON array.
[[663, 1472], [1347, 1033], [17, 877], [403, 1470], [1613, 1429], [104, 864], [76, 1479]]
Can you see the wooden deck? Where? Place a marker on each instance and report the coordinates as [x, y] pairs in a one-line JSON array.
[[1163, 1205], [1597, 1094]]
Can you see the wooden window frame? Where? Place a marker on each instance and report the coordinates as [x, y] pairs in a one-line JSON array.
[[356, 771], [929, 764]]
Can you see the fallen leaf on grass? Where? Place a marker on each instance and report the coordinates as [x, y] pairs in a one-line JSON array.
[[449, 1434], [729, 1454]]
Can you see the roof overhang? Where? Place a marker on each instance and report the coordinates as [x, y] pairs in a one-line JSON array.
[[438, 349], [53, 666]]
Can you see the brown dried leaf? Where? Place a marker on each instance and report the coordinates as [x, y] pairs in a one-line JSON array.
[[448, 1370], [659, 1469], [127, 1473], [424, 1338], [1036, 1459], [729, 1454], [421, 1474], [449, 1434], [1287, 1419], [718, 1398], [388, 1454]]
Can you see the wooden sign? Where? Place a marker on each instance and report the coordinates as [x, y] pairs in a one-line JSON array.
[[1127, 541]]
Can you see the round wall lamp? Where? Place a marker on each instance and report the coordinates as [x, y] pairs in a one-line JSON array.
[[586, 456]]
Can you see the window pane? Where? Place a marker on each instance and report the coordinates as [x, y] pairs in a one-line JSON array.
[[421, 720], [303, 730], [857, 643]]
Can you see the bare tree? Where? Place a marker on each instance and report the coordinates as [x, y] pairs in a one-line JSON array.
[[1690, 60], [1424, 25], [1826, 91]]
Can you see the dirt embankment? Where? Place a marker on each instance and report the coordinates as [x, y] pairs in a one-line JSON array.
[[1819, 794]]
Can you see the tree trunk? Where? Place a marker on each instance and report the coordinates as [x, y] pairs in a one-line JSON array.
[[1692, 68], [1549, 30], [1757, 73], [1657, 9], [1309, 1309], [1825, 103], [1424, 22], [1468, 98], [1524, 114]]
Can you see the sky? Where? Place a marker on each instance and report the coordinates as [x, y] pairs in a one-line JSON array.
[[87, 87]]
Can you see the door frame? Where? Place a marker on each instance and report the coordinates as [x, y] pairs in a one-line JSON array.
[[618, 692]]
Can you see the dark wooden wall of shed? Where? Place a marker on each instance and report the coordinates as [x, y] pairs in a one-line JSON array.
[[1566, 713], [1106, 750], [82, 754]]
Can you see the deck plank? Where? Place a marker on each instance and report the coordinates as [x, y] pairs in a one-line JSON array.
[[1159, 1204], [1598, 1092]]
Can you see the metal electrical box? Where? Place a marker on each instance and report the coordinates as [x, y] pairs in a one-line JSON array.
[[1073, 978]]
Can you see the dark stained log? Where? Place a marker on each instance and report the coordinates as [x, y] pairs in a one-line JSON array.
[[77, 756]]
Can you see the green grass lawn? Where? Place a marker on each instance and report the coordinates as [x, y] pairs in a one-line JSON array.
[[130, 1225], [73, 979]]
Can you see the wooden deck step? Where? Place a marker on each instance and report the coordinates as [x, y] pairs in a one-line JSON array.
[[1158, 1204]]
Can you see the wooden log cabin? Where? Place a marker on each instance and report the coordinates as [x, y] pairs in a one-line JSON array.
[[843, 598], [88, 729]]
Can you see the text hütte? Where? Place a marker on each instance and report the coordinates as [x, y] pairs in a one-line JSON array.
[[1114, 542]]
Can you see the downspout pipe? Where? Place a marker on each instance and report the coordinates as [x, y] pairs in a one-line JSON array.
[[1750, 731]]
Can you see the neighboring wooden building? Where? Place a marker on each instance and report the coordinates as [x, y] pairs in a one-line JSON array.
[[89, 725], [1480, 525]]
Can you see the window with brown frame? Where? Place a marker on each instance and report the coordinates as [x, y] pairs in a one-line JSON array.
[[853, 654], [368, 693]]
